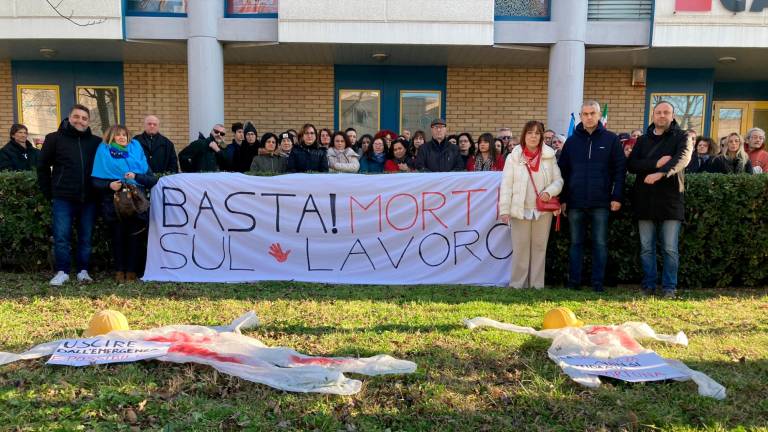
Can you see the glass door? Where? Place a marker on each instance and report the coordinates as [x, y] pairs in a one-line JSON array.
[[738, 116]]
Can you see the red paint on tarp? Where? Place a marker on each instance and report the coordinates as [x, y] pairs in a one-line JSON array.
[[191, 349], [180, 337], [625, 340]]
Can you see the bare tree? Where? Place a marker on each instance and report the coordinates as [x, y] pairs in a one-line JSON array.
[[71, 14]]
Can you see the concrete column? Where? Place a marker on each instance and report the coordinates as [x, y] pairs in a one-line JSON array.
[[566, 63], [205, 66]]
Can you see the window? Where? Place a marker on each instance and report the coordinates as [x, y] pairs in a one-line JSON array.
[[533, 10], [39, 109], [156, 7], [104, 104], [689, 108], [252, 7], [418, 109], [360, 109]]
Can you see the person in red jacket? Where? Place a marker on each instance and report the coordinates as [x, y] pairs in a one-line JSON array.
[[399, 158], [755, 147], [487, 157]]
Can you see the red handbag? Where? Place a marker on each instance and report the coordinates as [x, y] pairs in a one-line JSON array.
[[550, 206]]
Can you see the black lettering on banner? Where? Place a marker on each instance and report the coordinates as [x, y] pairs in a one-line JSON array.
[[457, 245], [194, 260], [758, 5], [488, 243], [231, 257], [734, 5], [277, 206], [201, 207], [162, 246], [314, 210], [447, 249], [364, 252], [166, 204], [309, 264], [401, 255], [253, 220]]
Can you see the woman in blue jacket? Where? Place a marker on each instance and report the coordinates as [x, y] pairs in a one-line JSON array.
[[374, 157], [119, 162]]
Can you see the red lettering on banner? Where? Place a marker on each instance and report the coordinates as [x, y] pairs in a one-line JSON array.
[[431, 210], [469, 200], [415, 211], [376, 200]]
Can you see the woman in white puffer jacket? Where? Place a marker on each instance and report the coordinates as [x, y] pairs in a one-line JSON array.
[[517, 204], [341, 157]]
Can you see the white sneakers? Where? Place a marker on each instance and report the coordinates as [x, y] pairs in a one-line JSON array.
[[60, 278], [83, 276]]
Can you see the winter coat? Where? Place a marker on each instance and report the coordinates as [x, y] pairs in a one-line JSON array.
[[238, 157], [199, 157], [498, 164], [346, 161], [698, 164], [371, 165], [269, 163], [307, 158], [436, 156], [14, 157], [593, 167], [759, 158], [70, 153], [160, 153], [723, 165], [665, 199], [515, 181]]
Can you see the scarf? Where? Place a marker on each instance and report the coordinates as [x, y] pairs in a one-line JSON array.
[[483, 164], [113, 161], [378, 157], [532, 158]]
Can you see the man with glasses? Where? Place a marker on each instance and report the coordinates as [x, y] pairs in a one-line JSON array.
[[549, 137], [204, 154], [439, 155]]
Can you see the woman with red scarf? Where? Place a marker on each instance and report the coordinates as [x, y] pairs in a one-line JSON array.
[[530, 172]]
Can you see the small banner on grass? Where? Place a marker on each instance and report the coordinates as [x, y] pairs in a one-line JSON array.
[[637, 368], [99, 350]]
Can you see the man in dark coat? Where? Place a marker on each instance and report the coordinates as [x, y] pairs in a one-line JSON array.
[[593, 166], [659, 159], [159, 150], [19, 154], [64, 175], [438, 155], [205, 153]]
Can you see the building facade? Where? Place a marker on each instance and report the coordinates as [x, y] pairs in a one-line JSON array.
[[382, 64]]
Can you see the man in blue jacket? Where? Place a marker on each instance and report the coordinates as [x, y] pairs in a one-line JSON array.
[[594, 167]]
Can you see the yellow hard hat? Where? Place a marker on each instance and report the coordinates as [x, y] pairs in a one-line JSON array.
[[561, 317], [106, 321]]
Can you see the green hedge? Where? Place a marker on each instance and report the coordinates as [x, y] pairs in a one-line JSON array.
[[724, 240]]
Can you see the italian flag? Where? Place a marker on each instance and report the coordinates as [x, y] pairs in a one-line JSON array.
[[604, 119]]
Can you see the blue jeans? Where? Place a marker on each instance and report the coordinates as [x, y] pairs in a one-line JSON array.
[[670, 234], [577, 222], [66, 212]]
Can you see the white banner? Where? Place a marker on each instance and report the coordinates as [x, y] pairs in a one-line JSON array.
[[419, 228], [637, 368], [103, 350]]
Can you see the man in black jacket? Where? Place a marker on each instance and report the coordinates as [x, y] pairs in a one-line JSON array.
[[159, 150], [659, 159], [204, 154], [64, 175], [438, 155], [19, 154]]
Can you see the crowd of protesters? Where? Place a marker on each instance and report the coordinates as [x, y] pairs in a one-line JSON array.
[[83, 174]]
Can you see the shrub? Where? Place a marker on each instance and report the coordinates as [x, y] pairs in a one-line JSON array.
[[724, 241]]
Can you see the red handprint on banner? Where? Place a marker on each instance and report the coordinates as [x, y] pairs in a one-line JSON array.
[[277, 252]]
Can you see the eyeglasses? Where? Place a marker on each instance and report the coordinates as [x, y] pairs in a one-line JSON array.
[[505, 138], [219, 132]]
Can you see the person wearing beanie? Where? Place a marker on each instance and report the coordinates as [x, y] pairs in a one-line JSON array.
[[239, 154]]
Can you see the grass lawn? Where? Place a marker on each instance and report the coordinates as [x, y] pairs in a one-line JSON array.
[[481, 380]]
